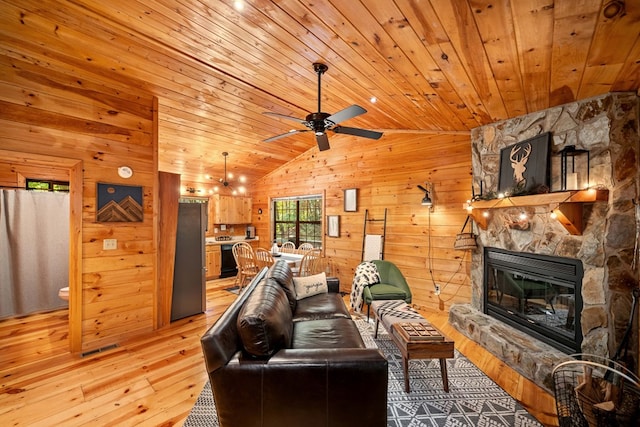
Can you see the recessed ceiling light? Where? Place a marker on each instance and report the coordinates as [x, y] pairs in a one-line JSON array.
[[238, 5], [373, 99]]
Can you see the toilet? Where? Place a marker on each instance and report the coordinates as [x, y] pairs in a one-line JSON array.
[[63, 293]]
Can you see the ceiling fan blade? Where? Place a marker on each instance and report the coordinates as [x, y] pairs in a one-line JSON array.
[[282, 116], [346, 114], [358, 132], [323, 141], [422, 188], [291, 132]]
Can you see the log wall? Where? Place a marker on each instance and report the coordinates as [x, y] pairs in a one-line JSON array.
[[386, 173]]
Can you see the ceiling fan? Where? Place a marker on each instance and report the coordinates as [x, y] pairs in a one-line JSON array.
[[320, 122]]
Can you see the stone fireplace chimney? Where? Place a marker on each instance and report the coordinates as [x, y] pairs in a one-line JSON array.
[[606, 126]]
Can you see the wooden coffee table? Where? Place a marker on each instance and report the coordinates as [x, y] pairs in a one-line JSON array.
[[411, 348], [393, 314]]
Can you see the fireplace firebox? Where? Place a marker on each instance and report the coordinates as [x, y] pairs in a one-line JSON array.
[[537, 294]]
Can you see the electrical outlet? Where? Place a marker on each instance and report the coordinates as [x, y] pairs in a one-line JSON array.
[[109, 244], [437, 289]]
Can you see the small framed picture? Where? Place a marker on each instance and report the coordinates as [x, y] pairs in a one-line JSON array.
[[333, 225], [351, 200], [119, 203]]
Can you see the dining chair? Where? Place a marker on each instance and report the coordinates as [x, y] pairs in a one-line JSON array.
[[306, 265], [304, 247], [288, 248], [245, 261], [323, 265], [263, 258]]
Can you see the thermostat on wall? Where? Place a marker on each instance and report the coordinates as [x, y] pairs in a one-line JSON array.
[[125, 172]]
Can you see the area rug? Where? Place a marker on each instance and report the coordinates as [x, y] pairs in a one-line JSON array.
[[473, 398]]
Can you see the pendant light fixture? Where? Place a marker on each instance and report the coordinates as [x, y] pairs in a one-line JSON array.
[[225, 180]]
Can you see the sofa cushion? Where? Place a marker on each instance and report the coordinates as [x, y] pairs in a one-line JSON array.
[[326, 333], [309, 286], [264, 323], [281, 273], [321, 306]]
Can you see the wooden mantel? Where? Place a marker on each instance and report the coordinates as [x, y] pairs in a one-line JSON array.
[[566, 205]]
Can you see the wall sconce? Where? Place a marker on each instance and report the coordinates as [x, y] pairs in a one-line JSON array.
[[570, 177], [426, 200]]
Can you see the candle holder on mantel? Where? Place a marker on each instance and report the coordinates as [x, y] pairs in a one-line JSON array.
[[579, 168]]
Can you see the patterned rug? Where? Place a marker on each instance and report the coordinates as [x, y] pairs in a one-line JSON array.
[[473, 398]]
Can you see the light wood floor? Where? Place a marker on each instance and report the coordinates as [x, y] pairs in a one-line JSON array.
[[154, 379]]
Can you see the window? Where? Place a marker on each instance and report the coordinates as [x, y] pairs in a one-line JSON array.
[[298, 220], [42, 185]]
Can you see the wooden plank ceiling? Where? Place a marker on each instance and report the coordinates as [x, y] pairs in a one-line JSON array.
[[434, 66]]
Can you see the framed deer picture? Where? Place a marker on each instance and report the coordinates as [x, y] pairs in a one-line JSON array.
[[524, 166]]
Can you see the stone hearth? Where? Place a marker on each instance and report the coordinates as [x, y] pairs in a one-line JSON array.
[[607, 126]]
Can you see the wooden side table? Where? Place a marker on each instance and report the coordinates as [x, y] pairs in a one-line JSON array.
[[393, 314], [418, 349]]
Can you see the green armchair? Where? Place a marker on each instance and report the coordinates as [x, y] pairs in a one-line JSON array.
[[392, 286]]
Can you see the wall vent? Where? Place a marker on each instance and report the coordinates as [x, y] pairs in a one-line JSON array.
[[99, 350]]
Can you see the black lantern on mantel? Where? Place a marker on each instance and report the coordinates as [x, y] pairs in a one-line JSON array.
[[574, 168]]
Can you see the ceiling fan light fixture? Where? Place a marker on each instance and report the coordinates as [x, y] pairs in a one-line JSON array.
[[320, 122], [426, 200]]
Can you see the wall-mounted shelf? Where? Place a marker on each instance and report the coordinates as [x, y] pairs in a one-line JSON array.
[[567, 205]]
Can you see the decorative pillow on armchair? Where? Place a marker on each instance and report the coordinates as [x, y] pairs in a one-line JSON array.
[[308, 286]]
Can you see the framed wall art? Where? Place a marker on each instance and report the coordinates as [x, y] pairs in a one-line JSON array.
[[351, 200], [333, 225], [119, 203], [524, 166]]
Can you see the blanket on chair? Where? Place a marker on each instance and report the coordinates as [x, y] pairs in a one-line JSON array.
[[366, 274]]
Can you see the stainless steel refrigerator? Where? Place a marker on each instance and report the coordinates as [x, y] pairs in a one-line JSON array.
[[189, 281]]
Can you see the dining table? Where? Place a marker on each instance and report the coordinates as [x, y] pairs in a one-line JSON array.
[[292, 259]]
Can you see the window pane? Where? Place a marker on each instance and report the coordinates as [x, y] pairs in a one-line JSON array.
[[43, 185], [298, 220]]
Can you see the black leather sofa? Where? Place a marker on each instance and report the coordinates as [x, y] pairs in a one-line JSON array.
[[275, 361]]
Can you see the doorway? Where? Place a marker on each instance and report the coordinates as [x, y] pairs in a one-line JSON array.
[[55, 168]]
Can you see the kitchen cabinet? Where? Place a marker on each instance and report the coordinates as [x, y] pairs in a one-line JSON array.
[[229, 209], [213, 261]]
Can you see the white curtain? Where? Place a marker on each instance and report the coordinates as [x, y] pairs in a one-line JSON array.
[[34, 251]]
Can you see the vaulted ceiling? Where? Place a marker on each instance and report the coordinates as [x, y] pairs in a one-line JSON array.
[[434, 66]]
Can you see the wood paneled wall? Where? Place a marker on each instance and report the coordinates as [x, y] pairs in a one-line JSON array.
[[386, 173], [54, 110]]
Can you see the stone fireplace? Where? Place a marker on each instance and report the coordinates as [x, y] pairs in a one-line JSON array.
[[603, 246]]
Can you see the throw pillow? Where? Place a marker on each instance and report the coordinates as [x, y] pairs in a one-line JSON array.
[[310, 285]]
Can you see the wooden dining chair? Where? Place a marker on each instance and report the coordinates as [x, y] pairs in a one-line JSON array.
[[245, 262], [263, 258], [304, 247], [306, 265], [323, 265], [288, 248]]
